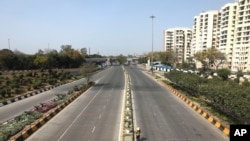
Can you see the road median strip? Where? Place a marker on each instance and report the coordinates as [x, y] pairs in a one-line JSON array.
[[127, 119], [26, 95], [34, 126]]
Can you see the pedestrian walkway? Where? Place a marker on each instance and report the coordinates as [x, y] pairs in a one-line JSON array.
[[157, 73]]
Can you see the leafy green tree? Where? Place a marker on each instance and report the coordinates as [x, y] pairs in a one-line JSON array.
[[53, 59], [41, 61], [167, 57], [10, 62], [121, 59], [3, 54], [71, 57], [223, 73]]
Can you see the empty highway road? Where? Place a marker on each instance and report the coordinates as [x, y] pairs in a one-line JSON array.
[[94, 116], [163, 117]]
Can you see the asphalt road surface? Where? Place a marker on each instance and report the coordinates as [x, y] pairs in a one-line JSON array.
[[163, 117], [14, 109], [93, 116]]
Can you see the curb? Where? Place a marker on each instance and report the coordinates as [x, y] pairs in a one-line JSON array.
[[209, 117]]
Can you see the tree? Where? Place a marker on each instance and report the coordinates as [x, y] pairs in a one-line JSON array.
[[210, 58], [201, 57], [215, 57], [142, 59], [87, 69], [71, 57], [223, 73], [121, 59], [53, 59], [41, 61], [168, 57], [66, 48], [3, 54]]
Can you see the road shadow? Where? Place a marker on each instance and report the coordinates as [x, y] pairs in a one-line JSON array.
[[99, 85], [143, 139]]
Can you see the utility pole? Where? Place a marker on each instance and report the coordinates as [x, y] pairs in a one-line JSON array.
[[9, 43], [152, 17]]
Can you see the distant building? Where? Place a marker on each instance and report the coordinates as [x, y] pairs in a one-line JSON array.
[[228, 26], [228, 30], [178, 40], [205, 31], [241, 49]]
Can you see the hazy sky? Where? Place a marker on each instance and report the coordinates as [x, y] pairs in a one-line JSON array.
[[110, 27]]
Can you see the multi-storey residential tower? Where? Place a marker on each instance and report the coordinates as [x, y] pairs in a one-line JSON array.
[[228, 26], [178, 40], [205, 31], [241, 51]]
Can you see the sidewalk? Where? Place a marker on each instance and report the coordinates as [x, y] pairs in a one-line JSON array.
[[155, 72]]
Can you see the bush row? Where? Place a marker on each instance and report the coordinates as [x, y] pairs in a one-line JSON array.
[[229, 97]]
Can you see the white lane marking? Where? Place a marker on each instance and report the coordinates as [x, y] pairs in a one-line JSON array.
[[100, 116], [104, 107], [93, 130], [79, 114]]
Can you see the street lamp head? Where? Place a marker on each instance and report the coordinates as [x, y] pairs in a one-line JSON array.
[[152, 16]]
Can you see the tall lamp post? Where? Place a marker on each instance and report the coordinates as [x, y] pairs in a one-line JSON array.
[[9, 43], [152, 17]]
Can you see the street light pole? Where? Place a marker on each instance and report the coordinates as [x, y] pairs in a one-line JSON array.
[[9, 43], [152, 17]]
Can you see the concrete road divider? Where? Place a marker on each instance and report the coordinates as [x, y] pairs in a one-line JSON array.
[[127, 119]]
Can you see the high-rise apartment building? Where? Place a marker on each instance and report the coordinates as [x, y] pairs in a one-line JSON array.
[[228, 26], [241, 51], [178, 40], [206, 31], [228, 30]]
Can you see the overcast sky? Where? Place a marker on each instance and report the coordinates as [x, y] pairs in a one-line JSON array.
[[107, 27]]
